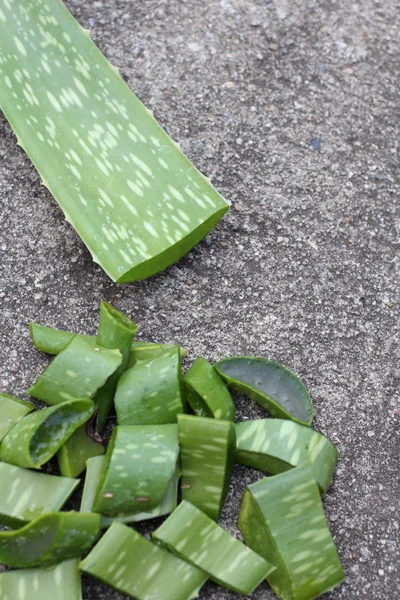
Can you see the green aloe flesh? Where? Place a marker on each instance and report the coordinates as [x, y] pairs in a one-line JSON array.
[[131, 564], [11, 411], [123, 184], [38, 436], [270, 384], [51, 538], [27, 495], [195, 537], [62, 582], [151, 391], [207, 459], [282, 519], [77, 450], [206, 393], [140, 462], [277, 445]]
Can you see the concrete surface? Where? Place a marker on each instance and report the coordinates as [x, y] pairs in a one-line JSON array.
[[291, 107]]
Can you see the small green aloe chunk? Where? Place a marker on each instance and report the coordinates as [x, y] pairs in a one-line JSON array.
[[51, 538], [207, 459], [11, 411], [145, 350], [282, 518], [207, 393], [27, 495], [195, 537], [78, 449], [63, 582], [277, 445], [140, 462], [151, 392], [131, 564], [38, 436], [270, 384]]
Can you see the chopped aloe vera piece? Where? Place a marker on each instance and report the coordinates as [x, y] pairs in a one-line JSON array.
[[282, 518], [27, 495], [151, 391], [207, 393], [123, 184], [38, 436], [270, 384], [140, 462], [63, 582], [51, 538], [207, 459], [144, 350], [77, 449], [11, 411], [195, 537], [49, 339], [277, 445], [77, 372], [131, 564]]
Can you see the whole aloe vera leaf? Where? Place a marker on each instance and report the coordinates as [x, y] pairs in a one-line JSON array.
[[207, 393], [77, 450], [270, 384], [27, 495], [151, 392], [131, 564], [63, 582], [50, 539], [277, 445], [207, 459], [11, 411], [282, 518], [123, 184], [195, 537], [140, 462], [38, 436]]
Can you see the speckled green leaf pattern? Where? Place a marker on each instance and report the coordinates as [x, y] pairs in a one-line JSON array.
[[206, 393], [11, 411], [74, 453]]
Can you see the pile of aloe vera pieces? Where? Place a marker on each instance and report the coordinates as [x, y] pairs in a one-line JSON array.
[[171, 454]]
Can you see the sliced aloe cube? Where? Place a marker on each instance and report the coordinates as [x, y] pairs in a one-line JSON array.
[[140, 462], [270, 384], [282, 518], [51, 340], [151, 391], [38, 436], [277, 445], [27, 495], [51, 538], [62, 582], [195, 537], [77, 449], [207, 393], [123, 184], [128, 562], [207, 459], [145, 350], [12, 410]]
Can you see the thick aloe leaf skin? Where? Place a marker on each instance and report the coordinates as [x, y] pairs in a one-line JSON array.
[[304, 552], [191, 534], [131, 564], [270, 384], [277, 445], [206, 393], [74, 453], [12, 410], [124, 185]]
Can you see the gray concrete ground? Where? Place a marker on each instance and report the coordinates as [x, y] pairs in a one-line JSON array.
[[291, 107]]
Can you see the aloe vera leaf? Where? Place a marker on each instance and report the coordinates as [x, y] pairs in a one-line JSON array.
[[140, 462], [77, 372], [38, 436], [11, 411], [207, 393], [51, 538], [270, 384], [207, 459], [277, 445], [191, 534], [145, 350], [131, 564], [123, 184], [151, 392], [77, 450], [282, 518], [27, 495], [63, 582]]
